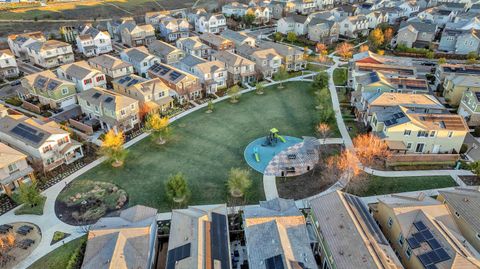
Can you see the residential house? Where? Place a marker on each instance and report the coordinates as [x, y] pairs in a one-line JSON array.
[[123, 242], [323, 31], [276, 236], [217, 43], [240, 69], [195, 14], [152, 94], [462, 203], [416, 34], [305, 6], [167, 53], [377, 82], [188, 62], [92, 42], [116, 26], [155, 17], [325, 4], [293, 23], [353, 26], [212, 74], [50, 53], [111, 66], [140, 58], [262, 14], [114, 111], [455, 85], [439, 15], [469, 107], [239, 38], [234, 9], [202, 233], [348, 236], [419, 132], [14, 169], [292, 58], [280, 9], [194, 46], [83, 75], [376, 17], [460, 41], [423, 232], [50, 90], [8, 65], [445, 70], [68, 33], [44, 142], [19, 43], [409, 7], [138, 35], [267, 61], [210, 23], [186, 86], [172, 29]]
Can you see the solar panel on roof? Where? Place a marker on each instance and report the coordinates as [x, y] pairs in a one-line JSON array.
[[41, 82], [431, 266], [108, 100], [275, 262], [52, 85], [132, 82], [433, 243], [419, 237], [28, 133], [442, 254], [424, 259], [177, 254], [427, 234], [433, 256], [96, 95], [420, 225], [413, 243], [121, 81], [219, 240]]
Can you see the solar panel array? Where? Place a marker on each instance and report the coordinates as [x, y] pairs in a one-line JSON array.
[[467, 70], [96, 95], [174, 75], [28, 133], [437, 253], [219, 240], [177, 254], [160, 69], [52, 85], [275, 262], [132, 82], [395, 118], [40, 83], [108, 100], [124, 79]]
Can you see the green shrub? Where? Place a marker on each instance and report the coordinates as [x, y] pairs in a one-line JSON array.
[[14, 101], [77, 257]]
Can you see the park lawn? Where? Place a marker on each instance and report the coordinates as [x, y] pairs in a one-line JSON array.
[[382, 185], [340, 76], [204, 147], [36, 210], [58, 259]]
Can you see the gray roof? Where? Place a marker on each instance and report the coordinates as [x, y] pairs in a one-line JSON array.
[[137, 54], [234, 36], [104, 98], [392, 116], [277, 229], [158, 47], [190, 61], [420, 26], [109, 62], [467, 203], [77, 70]]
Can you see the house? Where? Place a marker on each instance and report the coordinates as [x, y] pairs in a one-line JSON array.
[[408, 7], [44, 142], [92, 42], [114, 111], [212, 74], [116, 26], [50, 53], [199, 238], [293, 23], [140, 58], [455, 85], [111, 66], [186, 86], [304, 6], [439, 15], [14, 169], [188, 62], [419, 132], [325, 4], [50, 90], [155, 17], [152, 94], [461, 202], [445, 70], [276, 236], [234, 9], [210, 23], [217, 42], [18, 42], [292, 58], [238, 38], [279, 9], [323, 31], [68, 33], [83, 75], [195, 14], [348, 236], [377, 82], [172, 29], [137, 35], [8, 65], [167, 53], [123, 242], [469, 107], [423, 232], [376, 17], [240, 69], [262, 14], [194, 46], [416, 34], [267, 61], [353, 26]]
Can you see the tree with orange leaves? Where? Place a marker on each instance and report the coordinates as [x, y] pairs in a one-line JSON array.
[[363, 48], [345, 50], [388, 35], [343, 167], [7, 242], [324, 130], [369, 147], [321, 48]]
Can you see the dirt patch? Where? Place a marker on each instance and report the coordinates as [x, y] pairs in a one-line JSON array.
[[471, 180], [17, 253]]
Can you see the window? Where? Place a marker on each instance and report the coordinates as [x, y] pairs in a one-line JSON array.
[[407, 132], [132, 106], [401, 240], [422, 134], [50, 161], [433, 133], [450, 134], [62, 141], [47, 148], [420, 147], [408, 253], [87, 81], [122, 112], [100, 78], [65, 91], [390, 222], [161, 94], [12, 167], [409, 145], [478, 236], [457, 214]]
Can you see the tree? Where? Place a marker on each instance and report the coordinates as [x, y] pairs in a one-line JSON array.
[[112, 148], [260, 88], [28, 194], [324, 130], [380, 52], [369, 147], [210, 107], [158, 126], [442, 61], [249, 18], [321, 80], [7, 243], [281, 76], [387, 35], [430, 54], [177, 189], [234, 93], [291, 37], [376, 38], [345, 165], [472, 57], [277, 37], [238, 182], [363, 48], [345, 50], [321, 48]]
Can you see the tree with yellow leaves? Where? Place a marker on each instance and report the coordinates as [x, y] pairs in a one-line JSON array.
[[112, 148], [321, 48], [363, 48], [158, 127], [376, 38], [345, 50]]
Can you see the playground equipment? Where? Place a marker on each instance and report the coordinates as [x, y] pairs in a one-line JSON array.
[[273, 137], [255, 152]]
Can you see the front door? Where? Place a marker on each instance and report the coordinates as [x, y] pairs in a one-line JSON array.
[[436, 149], [420, 147]]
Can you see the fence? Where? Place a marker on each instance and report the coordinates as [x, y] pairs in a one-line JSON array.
[[422, 159]]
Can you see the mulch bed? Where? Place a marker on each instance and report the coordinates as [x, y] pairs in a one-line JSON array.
[[471, 180], [6, 204]]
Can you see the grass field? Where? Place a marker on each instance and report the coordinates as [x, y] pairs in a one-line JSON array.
[[340, 76], [36, 210], [381, 185], [58, 259], [206, 146]]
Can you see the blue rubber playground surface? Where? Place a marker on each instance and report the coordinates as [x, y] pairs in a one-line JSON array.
[[266, 153]]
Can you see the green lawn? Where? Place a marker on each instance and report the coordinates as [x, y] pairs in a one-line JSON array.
[[58, 259], [27, 210], [381, 185], [340, 76], [205, 146]]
